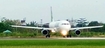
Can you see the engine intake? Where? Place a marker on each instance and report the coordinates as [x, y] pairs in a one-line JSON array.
[[45, 32], [77, 32]]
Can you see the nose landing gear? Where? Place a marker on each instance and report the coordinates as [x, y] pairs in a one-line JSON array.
[[68, 35]]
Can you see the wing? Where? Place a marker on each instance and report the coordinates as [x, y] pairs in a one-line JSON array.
[[30, 27], [86, 27]]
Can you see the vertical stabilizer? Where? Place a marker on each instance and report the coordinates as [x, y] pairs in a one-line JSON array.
[[51, 14]]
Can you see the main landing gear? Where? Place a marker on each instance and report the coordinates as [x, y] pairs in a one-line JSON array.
[[48, 36], [67, 36]]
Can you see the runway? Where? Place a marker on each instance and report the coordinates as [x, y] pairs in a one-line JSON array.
[[85, 38], [56, 38]]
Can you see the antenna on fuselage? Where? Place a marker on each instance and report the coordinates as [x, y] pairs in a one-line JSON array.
[[51, 14]]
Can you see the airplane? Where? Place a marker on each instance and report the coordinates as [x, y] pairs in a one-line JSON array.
[[58, 26], [62, 26]]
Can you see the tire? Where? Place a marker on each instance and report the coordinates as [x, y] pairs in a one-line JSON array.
[[68, 35], [47, 36], [63, 36]]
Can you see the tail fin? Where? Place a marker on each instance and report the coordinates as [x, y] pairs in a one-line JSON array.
[[51, 14]]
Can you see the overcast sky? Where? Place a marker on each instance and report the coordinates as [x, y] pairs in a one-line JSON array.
[[34, 10]]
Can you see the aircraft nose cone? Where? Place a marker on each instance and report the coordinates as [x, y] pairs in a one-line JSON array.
[[65, 27]]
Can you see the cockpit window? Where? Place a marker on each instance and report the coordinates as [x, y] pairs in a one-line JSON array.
[[65, 23]]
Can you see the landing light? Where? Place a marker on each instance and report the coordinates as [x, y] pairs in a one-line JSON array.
[[64, 32], [53, 31]]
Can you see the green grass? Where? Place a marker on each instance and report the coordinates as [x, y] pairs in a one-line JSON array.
[[49, 42]]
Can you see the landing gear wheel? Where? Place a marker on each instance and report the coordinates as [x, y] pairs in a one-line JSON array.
[[64, 36], [68, 35], [47, 36]]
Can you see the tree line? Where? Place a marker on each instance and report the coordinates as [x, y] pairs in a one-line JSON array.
[[5, 24]]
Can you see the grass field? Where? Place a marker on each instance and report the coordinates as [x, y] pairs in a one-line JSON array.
[[50, 43]]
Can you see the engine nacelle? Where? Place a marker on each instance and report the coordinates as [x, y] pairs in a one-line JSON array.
[[45, 32], [77, 32]]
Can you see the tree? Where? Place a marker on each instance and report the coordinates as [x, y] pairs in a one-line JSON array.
[[95, 23], [5, 24], [4, 27], [10, 22]]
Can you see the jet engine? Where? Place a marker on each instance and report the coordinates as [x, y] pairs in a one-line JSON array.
[[45, 32], [77, 32]]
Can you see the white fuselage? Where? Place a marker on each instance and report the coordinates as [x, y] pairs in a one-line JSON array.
[[60, 25]]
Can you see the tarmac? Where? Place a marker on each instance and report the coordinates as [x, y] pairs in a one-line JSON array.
[[84, 38], [55, 38]]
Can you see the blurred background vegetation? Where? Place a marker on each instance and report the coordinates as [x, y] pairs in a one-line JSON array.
[[5, 24]]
